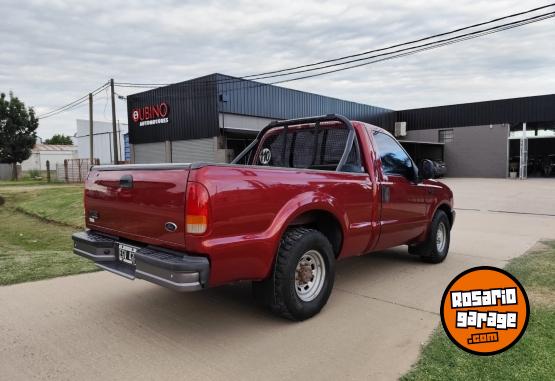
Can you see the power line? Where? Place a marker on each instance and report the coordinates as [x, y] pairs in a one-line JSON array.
[[434, 44], [62, 109], [368, 60], [75, 106], [404, 43], [340, 62], [269, 74], [71, 105], [424, 47]]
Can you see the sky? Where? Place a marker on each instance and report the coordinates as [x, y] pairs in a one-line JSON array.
[[52, 52]]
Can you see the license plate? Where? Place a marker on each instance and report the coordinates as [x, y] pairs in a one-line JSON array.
[[127, 253]]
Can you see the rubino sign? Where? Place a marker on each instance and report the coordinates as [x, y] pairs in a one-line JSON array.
[[152, 114]]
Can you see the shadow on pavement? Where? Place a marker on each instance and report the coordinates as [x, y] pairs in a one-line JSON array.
[[227, 308]]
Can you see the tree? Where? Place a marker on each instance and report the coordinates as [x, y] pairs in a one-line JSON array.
[[59, 139], [18, 126]]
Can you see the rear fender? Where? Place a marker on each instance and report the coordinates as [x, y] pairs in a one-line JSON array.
[[303, 203], [252, 256]]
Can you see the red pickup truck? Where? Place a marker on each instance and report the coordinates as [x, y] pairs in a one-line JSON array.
[[304, 194]]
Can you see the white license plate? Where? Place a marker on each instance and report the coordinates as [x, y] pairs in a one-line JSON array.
[[127, 253]]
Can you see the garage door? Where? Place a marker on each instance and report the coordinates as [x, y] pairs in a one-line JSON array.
[[150, 153], [189, 151]]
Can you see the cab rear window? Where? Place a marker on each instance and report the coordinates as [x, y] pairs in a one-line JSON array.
[[310, 147]]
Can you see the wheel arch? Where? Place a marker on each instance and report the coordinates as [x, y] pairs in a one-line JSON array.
[[323, 221], [448, 210]]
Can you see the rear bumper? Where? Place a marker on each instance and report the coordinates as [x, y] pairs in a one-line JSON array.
[[168, 268]]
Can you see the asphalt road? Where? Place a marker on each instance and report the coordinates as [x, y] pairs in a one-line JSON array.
[[383, 308]]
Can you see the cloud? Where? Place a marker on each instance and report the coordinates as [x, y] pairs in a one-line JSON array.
[[55, 51]]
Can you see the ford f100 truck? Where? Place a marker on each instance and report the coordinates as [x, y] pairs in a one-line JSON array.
[[304, 194]]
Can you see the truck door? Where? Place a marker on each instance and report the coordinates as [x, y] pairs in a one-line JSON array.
[[404, 203]]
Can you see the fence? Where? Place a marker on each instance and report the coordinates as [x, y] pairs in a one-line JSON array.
[[74, 170], [6, 171]]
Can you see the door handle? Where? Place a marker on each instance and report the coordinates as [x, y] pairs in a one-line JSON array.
[[126, 181]]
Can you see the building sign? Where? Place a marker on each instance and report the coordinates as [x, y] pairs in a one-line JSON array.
[[149, 115]]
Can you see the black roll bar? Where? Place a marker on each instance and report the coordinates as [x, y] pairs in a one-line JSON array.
[[312, 119]]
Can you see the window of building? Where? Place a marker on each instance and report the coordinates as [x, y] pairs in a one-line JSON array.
[[446, 136], [395, 160]]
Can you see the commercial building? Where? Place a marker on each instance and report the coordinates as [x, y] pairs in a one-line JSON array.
[[483, 139], [213, 118]]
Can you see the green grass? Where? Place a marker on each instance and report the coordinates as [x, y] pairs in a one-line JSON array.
[[62, 205], [27, 181], [536, 269], [532, 358], [32, 249]]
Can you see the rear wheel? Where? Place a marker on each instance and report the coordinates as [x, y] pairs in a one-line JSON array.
[[436, 246], [303, 275]]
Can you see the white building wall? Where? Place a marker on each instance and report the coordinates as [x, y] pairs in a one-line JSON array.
[[102, 140], [38, 159], [33, 162]]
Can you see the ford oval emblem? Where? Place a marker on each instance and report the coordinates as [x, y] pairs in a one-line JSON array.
[[170, 226]]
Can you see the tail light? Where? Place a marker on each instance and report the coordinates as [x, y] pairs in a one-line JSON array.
[[196, 212]]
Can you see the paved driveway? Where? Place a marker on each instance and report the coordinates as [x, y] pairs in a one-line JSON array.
[[384, 306]]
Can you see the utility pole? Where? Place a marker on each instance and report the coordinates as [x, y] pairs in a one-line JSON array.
[[114, 127], [119, 141], [91, 134], [523, 167]]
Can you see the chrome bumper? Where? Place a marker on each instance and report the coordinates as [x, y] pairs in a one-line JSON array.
[[168, 268]]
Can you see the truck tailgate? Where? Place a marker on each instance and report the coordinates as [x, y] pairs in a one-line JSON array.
[[142, 203]]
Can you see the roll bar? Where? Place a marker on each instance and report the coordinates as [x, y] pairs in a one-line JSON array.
[[293, 122]]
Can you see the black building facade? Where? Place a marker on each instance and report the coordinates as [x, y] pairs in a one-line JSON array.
[[212, 118], [512, 111], [193, 107]]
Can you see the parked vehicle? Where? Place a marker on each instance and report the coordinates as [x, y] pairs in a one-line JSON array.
[[548, 165], [440, 169], [310, 192], [534, 165]]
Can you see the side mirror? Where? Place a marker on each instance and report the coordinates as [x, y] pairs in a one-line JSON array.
[[427, 169]]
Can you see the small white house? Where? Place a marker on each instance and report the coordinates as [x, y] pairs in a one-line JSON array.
[[55, 153], [103, 140]]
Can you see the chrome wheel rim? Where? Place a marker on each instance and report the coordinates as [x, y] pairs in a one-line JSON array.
[[310, 275], [441, 237]]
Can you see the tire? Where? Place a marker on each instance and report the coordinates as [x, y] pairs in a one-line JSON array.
[[432, 251], [303, 253]]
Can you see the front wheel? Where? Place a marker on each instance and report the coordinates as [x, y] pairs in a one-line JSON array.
[[303, 275], [436, 246]]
